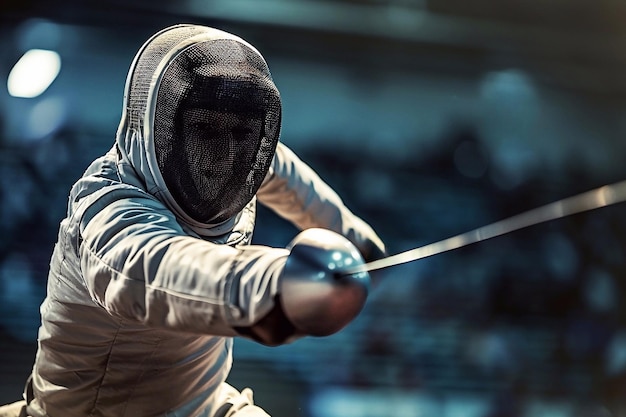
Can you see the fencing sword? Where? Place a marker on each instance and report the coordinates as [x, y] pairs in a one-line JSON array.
[[603, 196]]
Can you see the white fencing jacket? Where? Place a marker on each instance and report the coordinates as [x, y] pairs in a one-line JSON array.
[[141, 304]]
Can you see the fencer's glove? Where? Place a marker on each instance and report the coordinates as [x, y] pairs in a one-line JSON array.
[[316, 294]]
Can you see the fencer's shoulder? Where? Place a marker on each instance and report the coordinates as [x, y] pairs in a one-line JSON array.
[[102, 178], [103, 167]]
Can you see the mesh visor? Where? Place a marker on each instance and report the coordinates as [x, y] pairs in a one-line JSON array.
[[217, 121]]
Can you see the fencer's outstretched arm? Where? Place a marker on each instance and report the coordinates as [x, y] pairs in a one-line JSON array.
[[139, 265], [295, 192]]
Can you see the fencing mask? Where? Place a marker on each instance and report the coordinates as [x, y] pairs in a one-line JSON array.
[[216, 118]]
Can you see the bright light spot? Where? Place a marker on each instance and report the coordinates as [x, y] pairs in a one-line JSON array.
[[33, 73]]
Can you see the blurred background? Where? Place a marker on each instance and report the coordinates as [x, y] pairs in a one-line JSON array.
[[430, 118]]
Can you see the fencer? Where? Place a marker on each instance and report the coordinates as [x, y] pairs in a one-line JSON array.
[[154, 275]]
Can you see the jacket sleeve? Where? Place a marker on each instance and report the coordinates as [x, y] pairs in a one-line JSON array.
[[295, 192], [140, 265]]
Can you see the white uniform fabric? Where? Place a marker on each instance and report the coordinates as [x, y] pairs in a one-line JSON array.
[[142, 303]]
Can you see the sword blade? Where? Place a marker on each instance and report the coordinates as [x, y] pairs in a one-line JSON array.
[[590, 200]]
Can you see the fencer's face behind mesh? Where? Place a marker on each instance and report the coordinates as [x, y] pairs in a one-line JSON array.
[[217, 120], [220, 147]]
